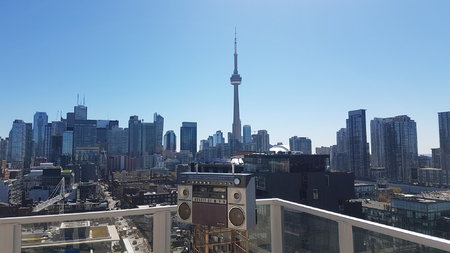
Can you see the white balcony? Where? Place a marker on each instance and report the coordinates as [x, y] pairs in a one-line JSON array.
[[283, 226]]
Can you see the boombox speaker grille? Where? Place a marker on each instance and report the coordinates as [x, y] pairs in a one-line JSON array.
[[236, 216], [184, 211]]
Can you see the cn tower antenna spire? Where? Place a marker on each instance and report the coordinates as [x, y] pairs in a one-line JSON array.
[[235, 41], [235, 72]]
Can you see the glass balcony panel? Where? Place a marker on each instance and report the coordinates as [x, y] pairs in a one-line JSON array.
[[260, 235], [116, 234], [180, 236], [365, 241], [304, 232]]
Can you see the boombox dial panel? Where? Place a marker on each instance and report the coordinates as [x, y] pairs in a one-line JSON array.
[[209, 194]]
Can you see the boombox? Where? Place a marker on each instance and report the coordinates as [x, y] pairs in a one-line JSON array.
[[217, 199]]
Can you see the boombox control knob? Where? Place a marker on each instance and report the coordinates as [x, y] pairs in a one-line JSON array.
[[237, 181], [185, 192], [237, 195]]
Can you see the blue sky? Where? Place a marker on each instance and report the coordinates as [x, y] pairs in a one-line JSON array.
[[304, 64]]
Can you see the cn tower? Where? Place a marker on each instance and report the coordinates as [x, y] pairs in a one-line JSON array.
[[235, 80]]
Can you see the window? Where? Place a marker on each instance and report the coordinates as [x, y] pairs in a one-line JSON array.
[[315, 193]]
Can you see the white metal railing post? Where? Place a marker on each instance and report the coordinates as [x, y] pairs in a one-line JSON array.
[[276, 227], [10, 238], [162, 225], [345, 237]]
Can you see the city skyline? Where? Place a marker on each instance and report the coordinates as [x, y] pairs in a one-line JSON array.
[[304, 70]]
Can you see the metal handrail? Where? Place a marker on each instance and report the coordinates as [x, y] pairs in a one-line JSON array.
[[89, 215]]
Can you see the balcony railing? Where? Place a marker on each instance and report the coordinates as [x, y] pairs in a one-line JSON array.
[[283, 226]]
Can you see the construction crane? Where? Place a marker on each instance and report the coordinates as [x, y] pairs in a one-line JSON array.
[[58, 195]]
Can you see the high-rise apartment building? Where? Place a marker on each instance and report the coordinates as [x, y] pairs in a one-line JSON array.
[[436, 157], [247, 134], [302, 144], [158, 120], [262, 141], [377, 137], [148, 137], [444, 142], [20, 144], [323, 150], [203, 145], [358, 150], [400, 148], [170, 141], [40, 120], [188, 137], [210, 141], [4, 143], [342, 140], [339, 152], [47, 140], [134, 137]]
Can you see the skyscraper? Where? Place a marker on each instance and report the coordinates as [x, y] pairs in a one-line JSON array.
[[377, 136], [80, 112], [134, 136], [444, 141], [436, 157], [117, 141], [158, 120], [67, 144], [302, 144], [400, 155], [39, 123], [218, 138], [262, 141], [357, 144], [85, 133], [339, 152], [53, 140], [342, 140], [47, 140], [70, 120], [4, 143], [20, 144], [235, 80], [188, 137], [148, 137], [247, 134], [170, 141], [58, 128]]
